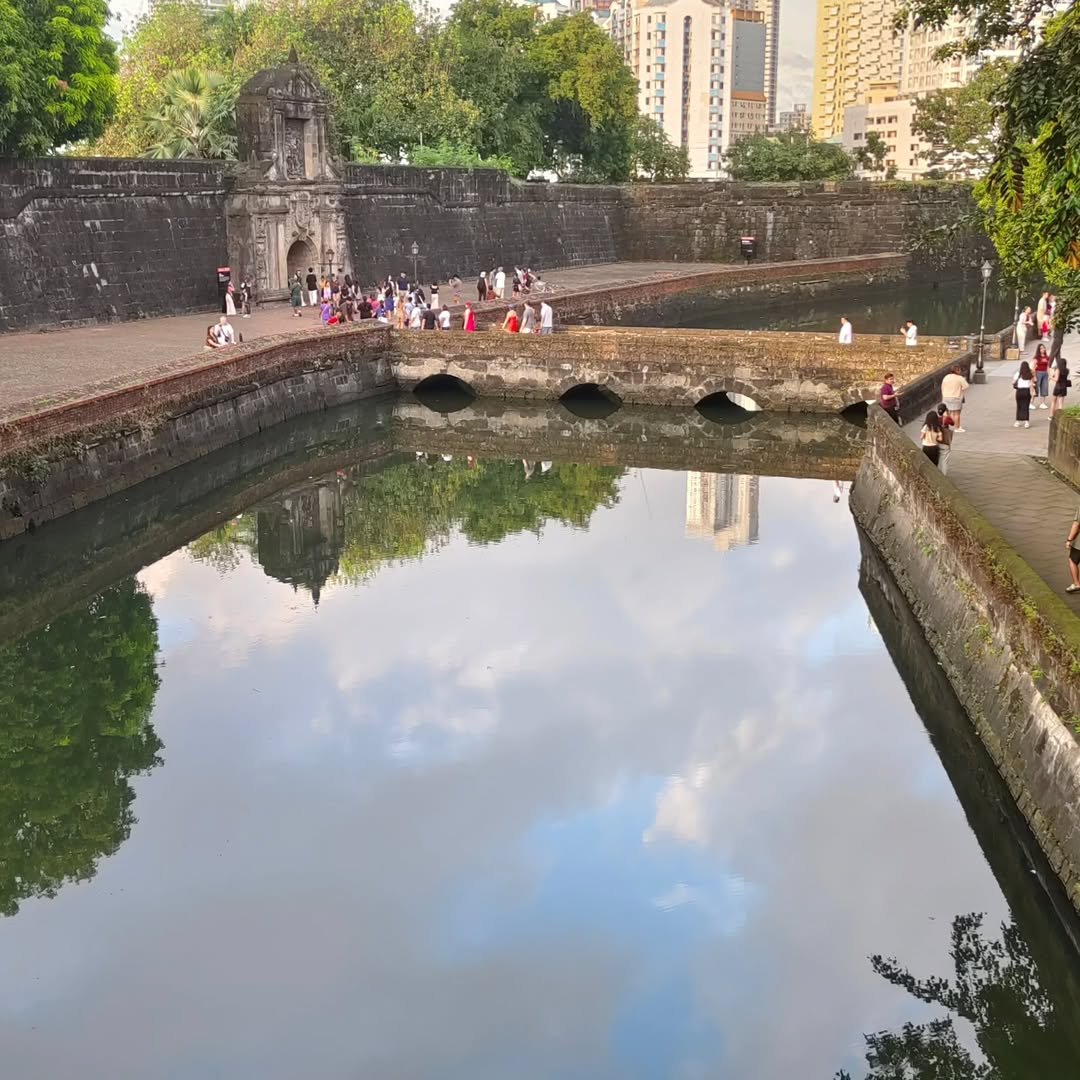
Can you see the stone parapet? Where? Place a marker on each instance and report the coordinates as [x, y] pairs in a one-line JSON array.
[[1008, 644], [1065, 446]]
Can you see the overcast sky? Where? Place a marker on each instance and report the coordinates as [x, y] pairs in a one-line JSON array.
[[796, 43]]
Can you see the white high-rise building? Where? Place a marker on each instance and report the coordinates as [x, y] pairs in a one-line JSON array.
[[722, 507], [701, 71]]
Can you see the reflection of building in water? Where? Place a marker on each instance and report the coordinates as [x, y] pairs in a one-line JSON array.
[[301, 534], [723, 507]]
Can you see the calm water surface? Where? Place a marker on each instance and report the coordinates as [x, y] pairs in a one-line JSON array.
[[946, 308], [490, 768]]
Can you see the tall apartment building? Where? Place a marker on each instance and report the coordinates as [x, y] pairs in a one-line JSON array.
[[715, 54], [722, 507], [855, 45], [770, 12]]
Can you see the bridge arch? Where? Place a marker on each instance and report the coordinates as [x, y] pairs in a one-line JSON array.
[[729, 391], [444, 392], [590, 399]]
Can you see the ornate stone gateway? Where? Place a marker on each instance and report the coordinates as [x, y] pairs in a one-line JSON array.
[[285, 213]]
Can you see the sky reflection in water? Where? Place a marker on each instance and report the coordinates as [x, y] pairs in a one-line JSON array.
[[603, 801]]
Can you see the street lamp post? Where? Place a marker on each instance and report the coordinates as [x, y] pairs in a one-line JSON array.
[[987, 270], [415, 256]]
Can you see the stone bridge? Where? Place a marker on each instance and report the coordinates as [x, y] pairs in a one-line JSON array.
[[778, 372]]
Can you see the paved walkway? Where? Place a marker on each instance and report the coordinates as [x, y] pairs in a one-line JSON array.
[[37, 366], [1003, 471]]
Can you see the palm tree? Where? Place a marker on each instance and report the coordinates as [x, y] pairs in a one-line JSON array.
[[194, 117]]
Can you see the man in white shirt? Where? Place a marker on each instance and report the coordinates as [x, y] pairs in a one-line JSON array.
[[500, 284], [547, 317], [845, 331], [911, 334], [444, 319], [224, 332]]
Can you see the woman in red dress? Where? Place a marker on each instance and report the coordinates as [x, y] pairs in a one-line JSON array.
[[468, 324]]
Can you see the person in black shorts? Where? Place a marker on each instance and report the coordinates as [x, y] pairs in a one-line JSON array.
[[1072, 542]]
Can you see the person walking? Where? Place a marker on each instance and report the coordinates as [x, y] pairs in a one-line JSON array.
[[312, 287], [1022, 381], [846, 332], [230, 300], [500, 284], [436, 303], [911, 334], [481, 286], [888, 398], [1023, 328], [953, 388], [547, 318], [468, 321], [296, 297], [1072, 545], [1040, 366], [932, 437], [1059, 379], [528, 319]]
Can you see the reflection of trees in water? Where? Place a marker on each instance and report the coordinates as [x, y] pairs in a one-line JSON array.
[[75, 703], [1021, 1031], [409, 509]]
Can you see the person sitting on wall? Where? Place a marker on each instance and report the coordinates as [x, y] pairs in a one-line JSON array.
[[511, 323], [211, 341], [224, 332]]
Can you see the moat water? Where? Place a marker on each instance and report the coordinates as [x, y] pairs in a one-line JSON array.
[[572, 748], [944, 308]]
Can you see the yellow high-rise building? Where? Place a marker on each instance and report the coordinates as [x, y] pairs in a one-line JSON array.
[[856, 45]]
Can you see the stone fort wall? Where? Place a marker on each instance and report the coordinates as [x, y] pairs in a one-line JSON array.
[[465, 221], [91, 240]]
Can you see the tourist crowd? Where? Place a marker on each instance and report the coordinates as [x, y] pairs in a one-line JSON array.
[[404, 303]]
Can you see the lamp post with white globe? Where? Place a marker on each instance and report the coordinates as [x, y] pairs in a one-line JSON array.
[[987, 271]]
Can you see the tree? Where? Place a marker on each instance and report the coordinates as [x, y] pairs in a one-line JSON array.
[[449, 156], [655, 156], [1021, 1030], [792, 155], [489, 48], [960, 123], [871, 155], [57, 74], [75, 704], [1030, 198], [195, 117], [592, 100]]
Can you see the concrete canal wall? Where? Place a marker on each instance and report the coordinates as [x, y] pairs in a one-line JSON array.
[[1008, 644]]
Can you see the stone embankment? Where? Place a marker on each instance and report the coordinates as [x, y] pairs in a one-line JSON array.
[[1008, 644], [1065, 446]]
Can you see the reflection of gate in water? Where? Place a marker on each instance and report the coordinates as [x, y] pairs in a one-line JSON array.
[[301, 256]]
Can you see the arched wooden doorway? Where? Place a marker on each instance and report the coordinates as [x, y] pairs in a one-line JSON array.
[[301, 256]]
